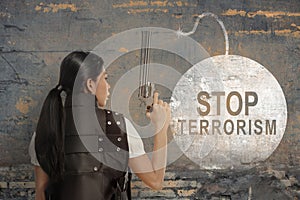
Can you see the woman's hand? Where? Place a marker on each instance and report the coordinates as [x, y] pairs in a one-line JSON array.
[[152, 172], [161, 113]]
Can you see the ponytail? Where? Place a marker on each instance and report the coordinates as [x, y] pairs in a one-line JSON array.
[[49, 142]]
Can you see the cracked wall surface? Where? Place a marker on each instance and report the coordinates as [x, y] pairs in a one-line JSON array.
[[36, 35]]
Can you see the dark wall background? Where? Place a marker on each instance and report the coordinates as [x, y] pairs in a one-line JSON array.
[[36, 35]]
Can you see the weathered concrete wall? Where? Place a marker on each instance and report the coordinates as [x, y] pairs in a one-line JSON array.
[[36, 35]]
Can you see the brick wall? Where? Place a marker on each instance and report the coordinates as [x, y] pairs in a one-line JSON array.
[[36, 35], [261, 182]]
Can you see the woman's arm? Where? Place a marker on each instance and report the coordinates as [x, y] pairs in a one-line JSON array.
[[152, 172], [41, 182]]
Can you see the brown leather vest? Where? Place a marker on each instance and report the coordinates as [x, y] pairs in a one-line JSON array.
[[96, 154]]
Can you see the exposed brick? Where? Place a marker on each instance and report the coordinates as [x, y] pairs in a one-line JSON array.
[[180, 183], [3, 185], [169, 184], [286, 183], [22, 193], [4, 169], [170, 175], [160, 193], [134, 192], [21, 185], [138, 184], [186, 193]]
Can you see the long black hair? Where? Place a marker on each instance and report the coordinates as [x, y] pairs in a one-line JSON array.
[[49, 141]]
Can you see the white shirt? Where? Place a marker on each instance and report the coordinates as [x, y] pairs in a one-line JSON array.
[[135, 144]]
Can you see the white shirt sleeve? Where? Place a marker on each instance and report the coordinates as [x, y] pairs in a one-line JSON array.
[[135, 143], [32, 153]]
